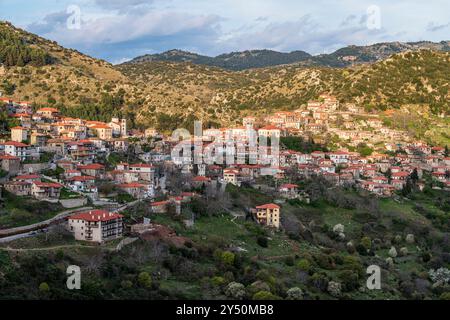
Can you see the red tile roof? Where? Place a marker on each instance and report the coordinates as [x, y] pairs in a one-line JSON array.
[[15, 143], [47, 184], [96, 216], [131, 185], [268, 206], [81, 178], [8, 157], [288, 186], [94, 166], [159, 203], [48, 110], [141, 165], [200, 179], [27, 177]]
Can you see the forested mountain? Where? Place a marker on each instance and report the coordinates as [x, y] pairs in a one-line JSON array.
[[232, 61], [344, 57], [154, 91], [18, 49]]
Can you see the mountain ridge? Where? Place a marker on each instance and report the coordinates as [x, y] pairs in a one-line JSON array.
[[151, 92], [250, 59]]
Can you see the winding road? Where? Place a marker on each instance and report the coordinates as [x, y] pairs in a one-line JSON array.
[[8, 235]]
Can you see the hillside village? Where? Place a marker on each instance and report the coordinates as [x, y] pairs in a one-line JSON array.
[[71, 161]]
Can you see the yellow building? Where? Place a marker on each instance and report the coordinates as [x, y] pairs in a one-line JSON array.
[[230, 176], [269, 215], [19, 134], [104, 132]]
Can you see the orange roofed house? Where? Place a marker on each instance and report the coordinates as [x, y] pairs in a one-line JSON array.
[[45, 190], [49, 113], [96, 226], [15, 149], [269, 215], [103, 131]]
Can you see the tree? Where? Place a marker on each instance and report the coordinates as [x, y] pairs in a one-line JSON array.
[[304, 265], [294, 294], [262, 242], [8, 87], [235, 290], [44, 287], [228, 258], [265, 295], [145, 280]]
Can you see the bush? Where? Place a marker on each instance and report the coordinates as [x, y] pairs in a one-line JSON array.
[[294, 294], [289, 261], [235, 290], [258, 286], [218, 281], [445, 296], [304, 265], [319, 281], [262, 242], [44, 287], [393, 252], [265, 295], [367, 243], [126, 284], [350, 280], [228, 258], [145, 280], [334, 289]]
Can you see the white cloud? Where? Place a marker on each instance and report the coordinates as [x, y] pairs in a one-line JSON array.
[[113, 29]]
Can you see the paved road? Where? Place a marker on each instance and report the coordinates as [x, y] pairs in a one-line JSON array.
[[40, 225], [8, 235]]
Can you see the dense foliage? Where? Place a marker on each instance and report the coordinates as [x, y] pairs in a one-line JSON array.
[[16, 51]]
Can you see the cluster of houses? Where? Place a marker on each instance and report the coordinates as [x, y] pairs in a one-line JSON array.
[[77, 145]]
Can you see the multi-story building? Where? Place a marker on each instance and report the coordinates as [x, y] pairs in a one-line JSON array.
[[49, 113], [19, 134], [103, 131], [10, 164], [268, 215], [16, 149], [96, 226], [231, 176], [45, 190]]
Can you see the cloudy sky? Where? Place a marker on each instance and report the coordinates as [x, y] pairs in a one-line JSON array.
[[117, 30]]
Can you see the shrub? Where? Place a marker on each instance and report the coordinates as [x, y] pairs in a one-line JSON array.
[[440, 276], [393, 252], [410, 238], [126, 284], [404, 251], [354, 264], [265, 295], [218, 281], [366, 242], [350, 280], [294, 294], [145, 280], [445, 296], [290, 261], [44, 287], [262, 242], [319, 281], [235, 290], [304, 265], [334, 288], [258, 286], [228, 258]]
